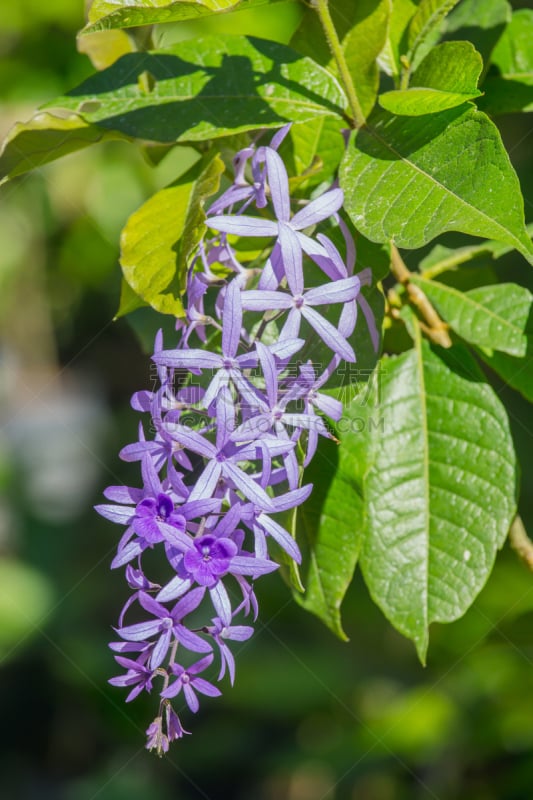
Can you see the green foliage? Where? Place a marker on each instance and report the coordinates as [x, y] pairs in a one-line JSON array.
[[421, 489], [447, 77], [439, 491], [44, 138], [409, 179], [512, 89], [110, 14], [203, 89], [494, 317], [160, 237]]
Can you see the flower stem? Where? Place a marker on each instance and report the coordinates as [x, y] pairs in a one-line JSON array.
[[322, 9], [432, 325]]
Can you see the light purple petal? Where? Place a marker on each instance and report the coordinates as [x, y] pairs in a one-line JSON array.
[[242, 225], [174, 588], [329, 334], [193, 441], [141, 631], [269, 371], [131, 550], [152, 606], [121, 514], [291, 499], [370, 321], [221, 602], [204, 687], [292, 258], [336, 292], [281, 536], [207, 482], [161, 649], [256, 300], [191, 640], [330, 406], [231, 320], [250, 565], [317, 210], [176, 537], [279, 185], [123, 494], [187, 604], [185, 359], [291, 329], [247, 485]]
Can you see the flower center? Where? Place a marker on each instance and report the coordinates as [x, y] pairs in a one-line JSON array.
[[299, 301]]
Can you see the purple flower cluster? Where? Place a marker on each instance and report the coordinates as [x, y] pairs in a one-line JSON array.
[[232, 424]]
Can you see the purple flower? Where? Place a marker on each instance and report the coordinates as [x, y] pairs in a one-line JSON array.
[[187, 680], [209, 559], [166, 626], [137, 675], [221, 633]]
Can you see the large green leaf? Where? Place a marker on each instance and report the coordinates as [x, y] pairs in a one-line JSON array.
[[205, 88], [412, 178], [447, 77], [30, 145], [495, 317], [362, 31], [512, 89], [329, 526], [159, 238], [440, 490], [109, 14]]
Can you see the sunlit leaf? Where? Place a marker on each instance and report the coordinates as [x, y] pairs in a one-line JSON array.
[[412, 178]]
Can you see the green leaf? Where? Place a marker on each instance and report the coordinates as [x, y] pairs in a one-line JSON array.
[[396, 40], [330, 523], [363, 44], [512, 89], [480, 22], [440, 490], [517, 372], [317, 149], [412, 178], [495, 317], [447, 77], [362, 30], [206, 88], [32, 144], [159, 238], [443, 259], [426, 20], [105, 47], [109, 14]]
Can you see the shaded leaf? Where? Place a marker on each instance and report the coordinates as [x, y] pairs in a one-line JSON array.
[[317, 149], [512, 89], [447, 77], [517, 372], [205, 88], [479, 22], [330, 523], [362, 30], [496, 317], [412, 178], [159, 238], [440, 490], [30, 145], [397, 32]]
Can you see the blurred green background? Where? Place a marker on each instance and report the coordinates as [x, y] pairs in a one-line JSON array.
[[310, 718]]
